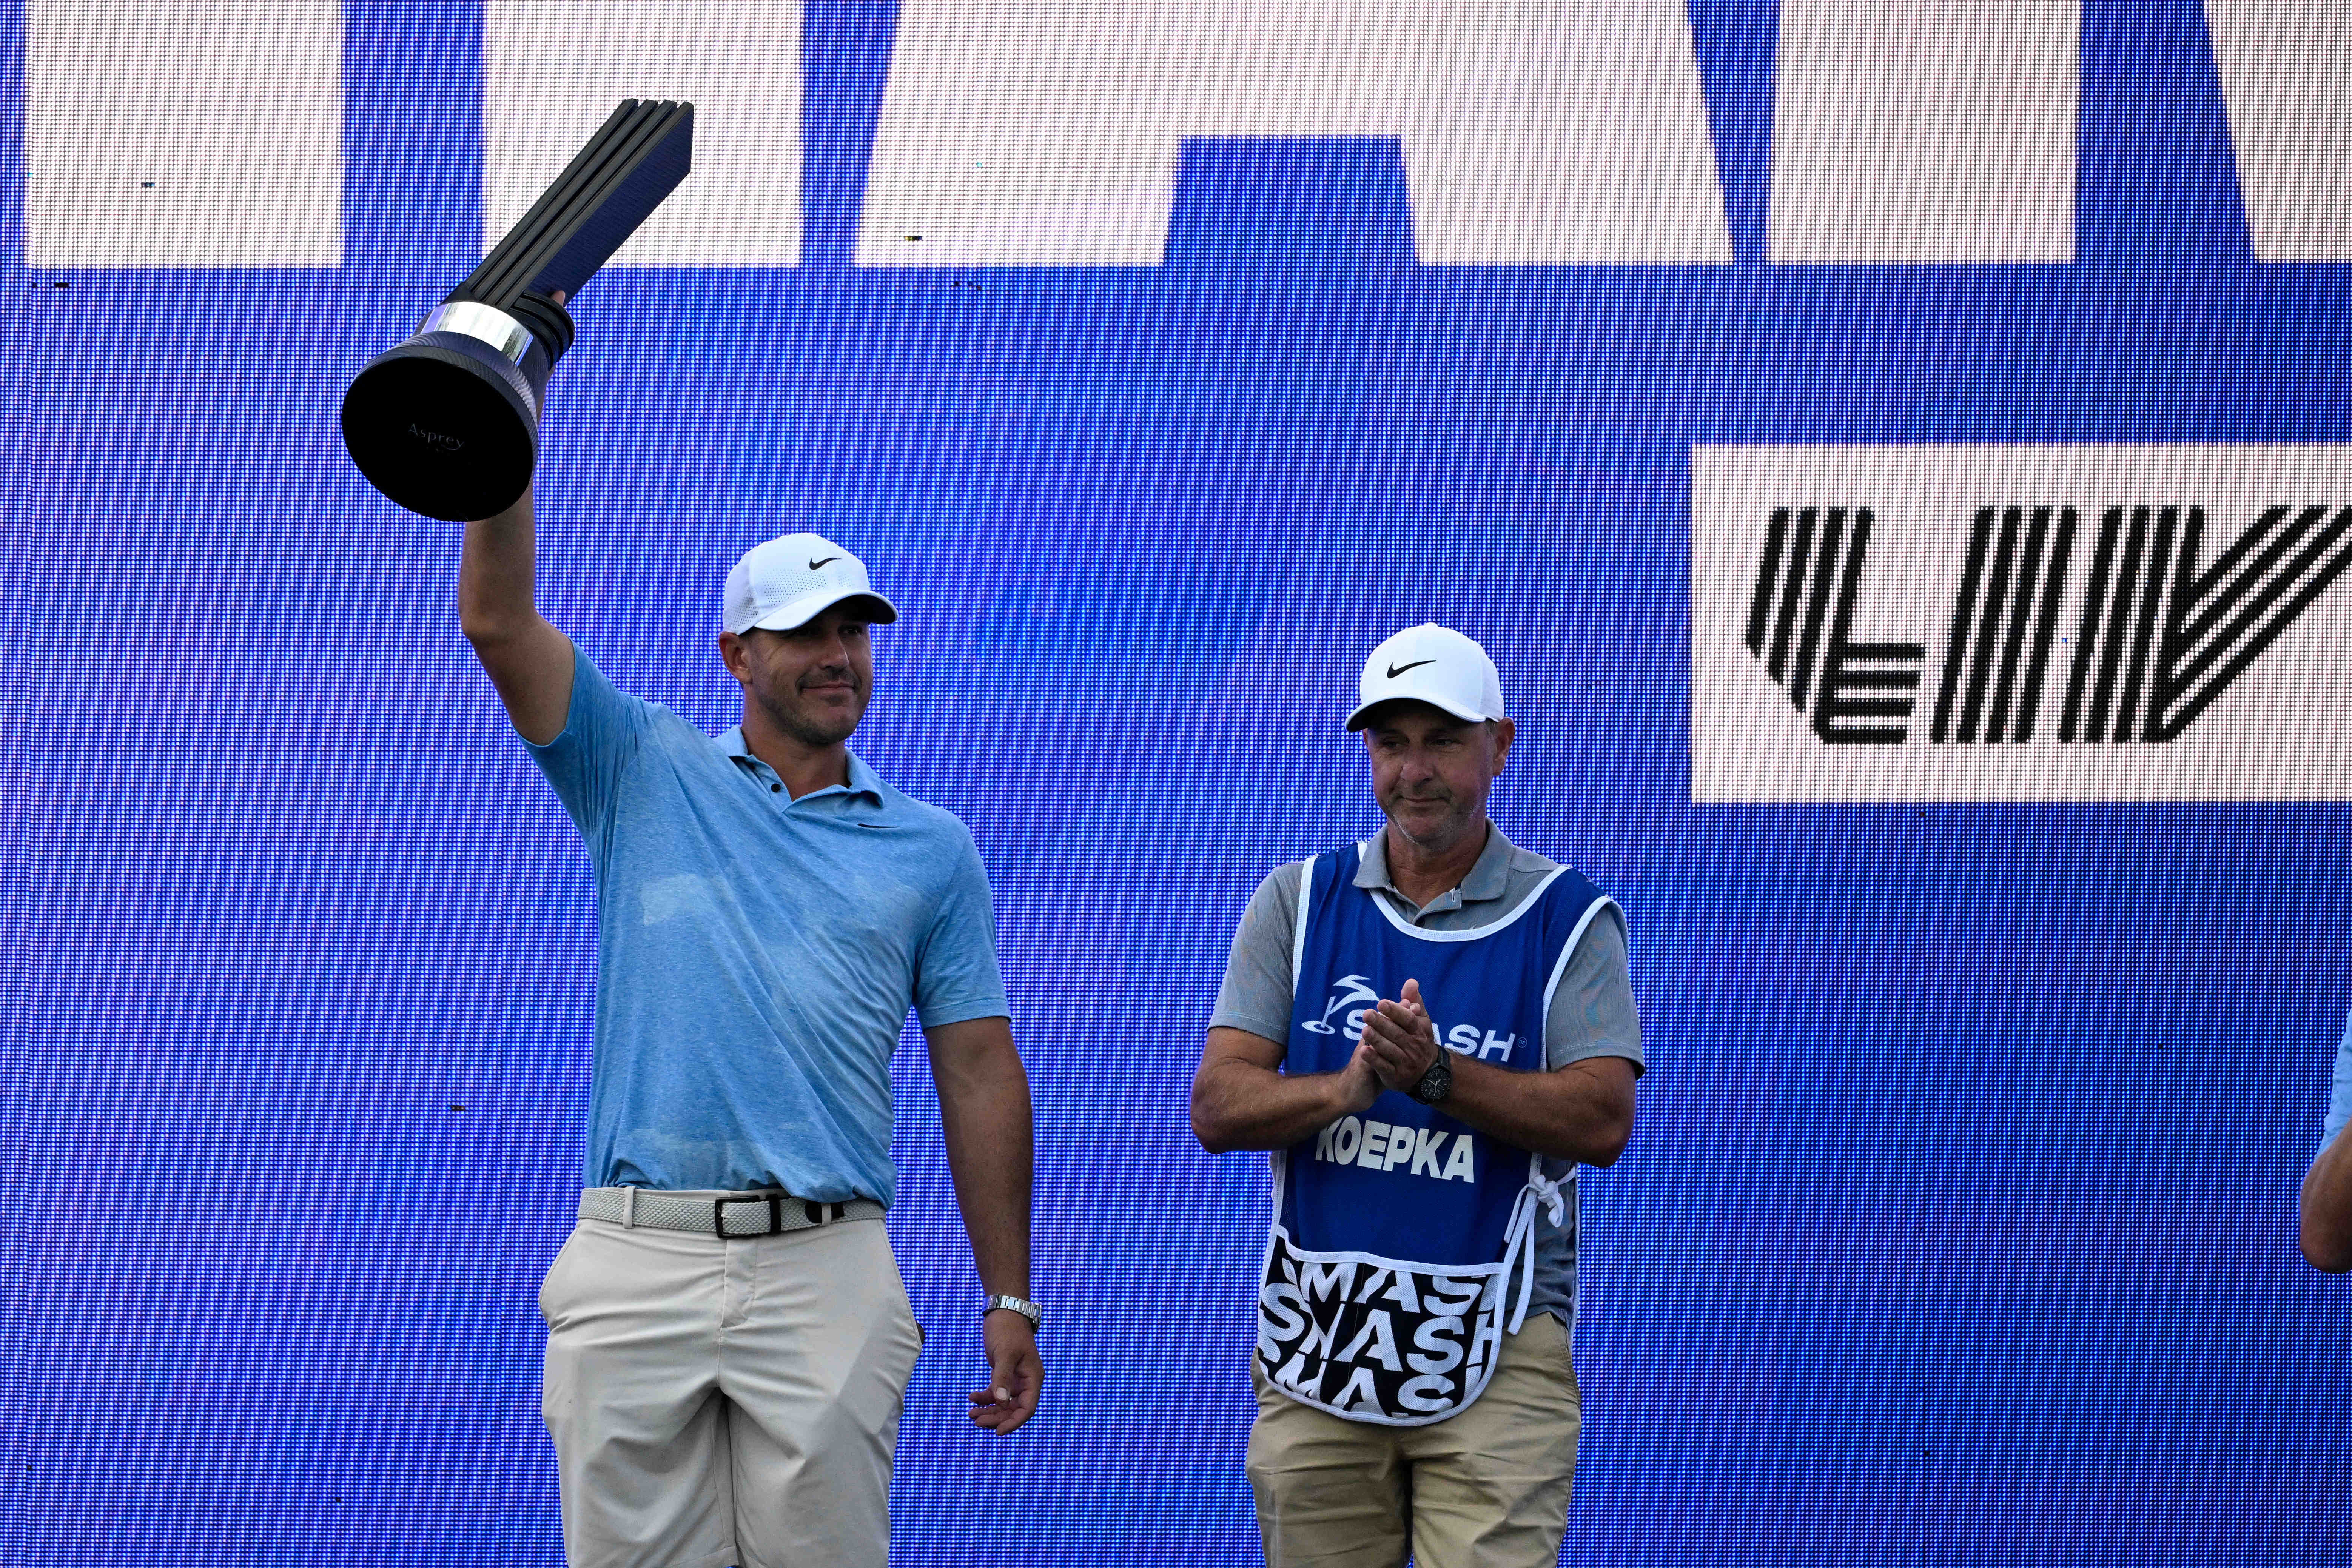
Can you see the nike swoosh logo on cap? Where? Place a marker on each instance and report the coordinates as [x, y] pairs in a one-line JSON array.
[[1396, 670], [826, 561]]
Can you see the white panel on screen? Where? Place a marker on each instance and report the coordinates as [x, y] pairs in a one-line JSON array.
[[1047, 133], [550, 73], [1937, 131], [2284, 66], [199, 133], [2021, 622]]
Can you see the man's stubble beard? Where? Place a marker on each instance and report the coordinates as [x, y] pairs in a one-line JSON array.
[[1457, 823], [805, 728]]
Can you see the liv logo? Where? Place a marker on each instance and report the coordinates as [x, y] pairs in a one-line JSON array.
[[2020, 623], [2159, 635]]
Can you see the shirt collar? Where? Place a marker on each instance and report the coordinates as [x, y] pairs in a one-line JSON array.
[[863, 780], [1489, 876]]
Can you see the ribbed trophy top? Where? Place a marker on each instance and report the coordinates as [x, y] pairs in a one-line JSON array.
[[611, 186]]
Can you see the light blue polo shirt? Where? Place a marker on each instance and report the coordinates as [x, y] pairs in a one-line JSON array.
[[2339, 1100], [756, 956]]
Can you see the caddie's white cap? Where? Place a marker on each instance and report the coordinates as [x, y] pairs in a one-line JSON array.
[[779, 585], [1432, 664]]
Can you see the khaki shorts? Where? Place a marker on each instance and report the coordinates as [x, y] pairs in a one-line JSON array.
[[723, 1402], [1486, 1489]]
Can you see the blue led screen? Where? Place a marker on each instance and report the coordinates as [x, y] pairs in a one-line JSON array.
[[1958, 1222]]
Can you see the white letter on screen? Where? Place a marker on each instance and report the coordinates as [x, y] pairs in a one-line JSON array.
[[552, 72], [1045, 132], [2283, 65], [1937, 131], [195, 133]]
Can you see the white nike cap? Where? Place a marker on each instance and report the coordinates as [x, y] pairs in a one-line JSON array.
[[781, 584], [1432, 664]]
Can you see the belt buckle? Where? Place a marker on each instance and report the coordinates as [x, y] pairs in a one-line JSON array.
[[775, 1202]]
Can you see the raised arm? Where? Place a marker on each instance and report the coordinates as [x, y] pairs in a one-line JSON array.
[[529, 661], [2327, 1207]]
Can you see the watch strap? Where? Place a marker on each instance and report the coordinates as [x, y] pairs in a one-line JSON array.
[[1027, 1309]]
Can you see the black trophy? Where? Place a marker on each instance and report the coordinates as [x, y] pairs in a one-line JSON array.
[[446, 423]]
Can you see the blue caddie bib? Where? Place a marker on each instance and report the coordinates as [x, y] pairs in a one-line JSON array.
[[1402, 1248]]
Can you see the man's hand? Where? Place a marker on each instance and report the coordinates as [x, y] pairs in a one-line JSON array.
[[1359, 1080], [1400, 1040], [1017, 1375]]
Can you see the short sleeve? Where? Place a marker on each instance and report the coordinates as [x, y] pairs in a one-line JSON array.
[[956, 974], [603, 728], [1256, 995], [1593, 1012], [2339, 1100]]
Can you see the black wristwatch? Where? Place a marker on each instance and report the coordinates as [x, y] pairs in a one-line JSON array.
[[1436, 1084]]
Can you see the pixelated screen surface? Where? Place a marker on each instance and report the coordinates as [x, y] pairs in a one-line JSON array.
[[1895, 468]]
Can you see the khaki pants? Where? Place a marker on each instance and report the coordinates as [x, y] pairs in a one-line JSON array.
[[721, 1401], [1486, 1489]]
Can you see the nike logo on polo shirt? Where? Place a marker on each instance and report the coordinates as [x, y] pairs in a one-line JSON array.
[[826, 561], [1396, 670]]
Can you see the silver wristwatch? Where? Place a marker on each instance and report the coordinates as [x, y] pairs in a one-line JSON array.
[[1029, 1310]]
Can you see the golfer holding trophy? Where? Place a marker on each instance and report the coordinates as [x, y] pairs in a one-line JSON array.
[[729, 1338]]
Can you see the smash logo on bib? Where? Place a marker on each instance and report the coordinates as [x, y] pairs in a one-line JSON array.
[[1374, 1341]]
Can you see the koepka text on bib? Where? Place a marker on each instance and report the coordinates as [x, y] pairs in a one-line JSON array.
[[1430, 1153]]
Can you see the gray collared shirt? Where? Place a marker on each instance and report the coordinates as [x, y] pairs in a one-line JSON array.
[[1592, 1013]]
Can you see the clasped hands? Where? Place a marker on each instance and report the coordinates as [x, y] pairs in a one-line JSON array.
[[1400, 1044]]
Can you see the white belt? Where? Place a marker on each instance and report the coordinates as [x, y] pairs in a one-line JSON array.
[[726, 1215]]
